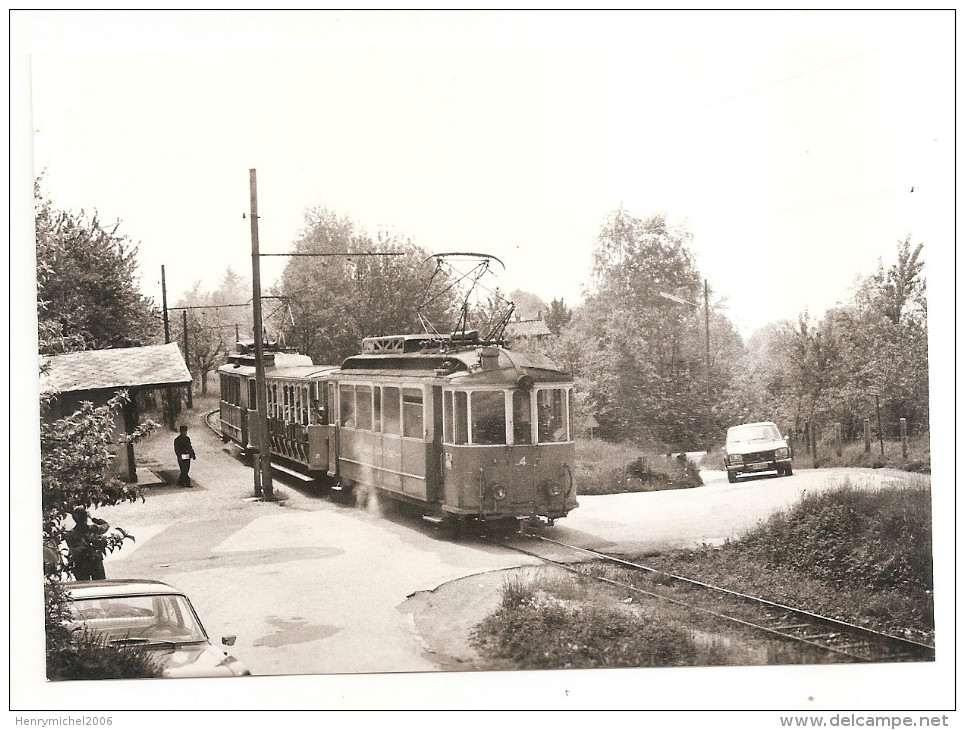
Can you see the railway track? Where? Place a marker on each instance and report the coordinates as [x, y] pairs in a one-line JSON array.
[[775, 620], [208, 422]]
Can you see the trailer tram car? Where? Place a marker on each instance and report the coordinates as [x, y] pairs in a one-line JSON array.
[[465, 429]]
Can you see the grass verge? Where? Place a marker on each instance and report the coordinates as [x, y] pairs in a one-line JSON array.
[[861, 556]]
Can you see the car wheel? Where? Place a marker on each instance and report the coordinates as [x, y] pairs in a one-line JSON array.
[[732, 477], [787, 471]]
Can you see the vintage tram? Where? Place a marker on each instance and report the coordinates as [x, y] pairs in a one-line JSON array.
[[464, 428]]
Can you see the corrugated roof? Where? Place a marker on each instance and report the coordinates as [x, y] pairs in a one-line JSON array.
[[527, 328], [128, 367]]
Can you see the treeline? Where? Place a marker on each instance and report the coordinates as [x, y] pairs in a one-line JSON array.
[[641, 357], [639, 345]]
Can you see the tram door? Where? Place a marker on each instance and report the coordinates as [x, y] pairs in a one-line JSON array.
[[319, 432], [434, 491]]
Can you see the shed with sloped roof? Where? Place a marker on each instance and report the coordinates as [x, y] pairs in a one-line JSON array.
[[97, 375]]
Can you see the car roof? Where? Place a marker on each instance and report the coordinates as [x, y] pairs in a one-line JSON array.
[[757, 423], [108, 588]]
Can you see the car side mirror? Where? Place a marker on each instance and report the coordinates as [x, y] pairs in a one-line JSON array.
[[229, 640]]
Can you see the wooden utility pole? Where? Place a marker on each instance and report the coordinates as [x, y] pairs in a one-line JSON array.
[[184, 320], [707, 353], [168, 399], [263, 486], [881, 436]]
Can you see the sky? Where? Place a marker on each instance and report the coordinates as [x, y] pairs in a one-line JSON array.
[[798, 148]]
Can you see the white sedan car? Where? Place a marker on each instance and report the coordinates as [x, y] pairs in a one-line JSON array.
[[753, 448]]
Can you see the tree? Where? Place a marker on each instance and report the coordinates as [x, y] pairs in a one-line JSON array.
[[558, 316], [826, 371], [87, 282], [642, 355], [528, 305], [213, 319], [76, 468], [338, 299]]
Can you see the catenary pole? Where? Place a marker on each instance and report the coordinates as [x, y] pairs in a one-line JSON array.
[[263, 487], [184, 319]]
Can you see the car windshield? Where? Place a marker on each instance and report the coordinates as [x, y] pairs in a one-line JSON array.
[[157, 619], [764, 432]]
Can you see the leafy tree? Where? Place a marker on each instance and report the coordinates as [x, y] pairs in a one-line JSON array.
[[528, 305], [825, 372], [87, 282], [339, 298], [646, 351], [213, 320], [558, 316], [76, 462]]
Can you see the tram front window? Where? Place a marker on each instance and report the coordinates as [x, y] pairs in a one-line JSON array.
[[551, 415], [488, 417], [522, 418]]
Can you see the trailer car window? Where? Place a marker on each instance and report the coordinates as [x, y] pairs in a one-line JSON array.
[[363, 407], [391, 421], [488, 417], [412, 413], [347, 405]]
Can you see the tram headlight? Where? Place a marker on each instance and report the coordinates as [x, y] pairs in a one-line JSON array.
[[499, 492], [554, 489]]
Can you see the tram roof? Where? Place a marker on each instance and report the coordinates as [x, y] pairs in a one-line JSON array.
[[484, 364]]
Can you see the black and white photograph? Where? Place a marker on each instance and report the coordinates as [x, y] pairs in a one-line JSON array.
[[482, 360]]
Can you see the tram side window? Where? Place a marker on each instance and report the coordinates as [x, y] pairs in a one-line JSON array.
[[252, 395], [412, 420], [551, 414], [391, 417], [347, 406], [331, 404], [376, 408], [460, 417], [522, 418], [488, 417], [363, 407]]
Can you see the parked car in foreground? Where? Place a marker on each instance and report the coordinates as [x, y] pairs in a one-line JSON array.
[[155, 616], [752, 448]]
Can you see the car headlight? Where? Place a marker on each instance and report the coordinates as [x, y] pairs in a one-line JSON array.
[[735, 460], [780, 453]]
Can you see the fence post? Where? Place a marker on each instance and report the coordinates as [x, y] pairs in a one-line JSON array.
[[903, 425], [837, 439], [867, 435]]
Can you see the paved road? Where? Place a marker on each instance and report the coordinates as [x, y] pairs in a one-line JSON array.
[[312, 586]]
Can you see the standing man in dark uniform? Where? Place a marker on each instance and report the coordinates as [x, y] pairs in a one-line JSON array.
[[185, 453], [87, 545]]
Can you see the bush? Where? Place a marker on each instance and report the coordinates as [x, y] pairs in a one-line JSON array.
[[880, 539], [537, 631], [607, 468], [73, 655]]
